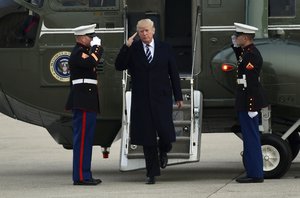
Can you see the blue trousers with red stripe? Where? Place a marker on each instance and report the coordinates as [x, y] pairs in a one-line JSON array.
[[84, 124], [252, 154]]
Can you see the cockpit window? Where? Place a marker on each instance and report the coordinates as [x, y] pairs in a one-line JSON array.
[[84, 4], [73, 2], [102, 3], [38, 3], [282, 8], [19, 26]]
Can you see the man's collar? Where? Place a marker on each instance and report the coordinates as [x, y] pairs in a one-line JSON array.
[[151, 44]]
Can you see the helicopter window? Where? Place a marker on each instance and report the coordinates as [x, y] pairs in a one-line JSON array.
[[28, 30], [84, 4], [37, 3], [18, 28], [73, 2], [102, 3], [282, 8]]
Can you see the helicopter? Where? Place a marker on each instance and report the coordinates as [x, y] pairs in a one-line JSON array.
[[36, 40]]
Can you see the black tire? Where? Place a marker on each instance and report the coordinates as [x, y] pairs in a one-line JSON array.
[[294, 142], [277, 156]]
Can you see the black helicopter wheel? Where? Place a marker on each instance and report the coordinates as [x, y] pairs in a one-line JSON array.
[[277, 156], [294, 142]]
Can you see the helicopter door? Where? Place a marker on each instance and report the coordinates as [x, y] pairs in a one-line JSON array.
[[188, 119]]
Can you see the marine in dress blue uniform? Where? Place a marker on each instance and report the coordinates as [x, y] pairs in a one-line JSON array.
[[250, 98], [83, 101], [154, 77]]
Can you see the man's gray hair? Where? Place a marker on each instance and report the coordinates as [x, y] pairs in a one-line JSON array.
[[144, 22]]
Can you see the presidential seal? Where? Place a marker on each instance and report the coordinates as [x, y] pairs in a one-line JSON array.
[[59, 66]]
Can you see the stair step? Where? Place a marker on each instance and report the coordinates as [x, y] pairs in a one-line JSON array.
[[185, 76], [186, 90], [181, 122], [178, 155], [170, 156], [180, 149], [184, 107]]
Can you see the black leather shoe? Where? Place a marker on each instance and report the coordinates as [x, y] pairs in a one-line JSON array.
[[249, 180], [163, 159], [97, 180], [150, 180], [91, 182]]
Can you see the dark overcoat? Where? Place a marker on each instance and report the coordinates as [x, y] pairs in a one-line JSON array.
[[152, 87], [252, 96], [82, 65]]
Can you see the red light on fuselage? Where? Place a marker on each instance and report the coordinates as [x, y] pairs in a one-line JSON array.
[[227, 67]]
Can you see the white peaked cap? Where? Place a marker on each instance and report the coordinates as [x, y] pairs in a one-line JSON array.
[[84, 29], [243, 28]]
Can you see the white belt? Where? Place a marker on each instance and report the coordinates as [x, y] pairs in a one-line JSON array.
[[242, 81], [84, 80]]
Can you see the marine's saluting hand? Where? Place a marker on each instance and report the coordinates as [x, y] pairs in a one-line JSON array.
[[130, 40], [96, 41]]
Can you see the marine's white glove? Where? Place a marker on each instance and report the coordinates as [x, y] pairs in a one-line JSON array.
[[233, 40], [95, 41], [252, 114]]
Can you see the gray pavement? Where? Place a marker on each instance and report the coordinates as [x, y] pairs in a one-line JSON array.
[[33, 165]]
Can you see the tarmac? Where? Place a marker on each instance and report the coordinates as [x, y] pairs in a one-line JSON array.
[[33, 165]]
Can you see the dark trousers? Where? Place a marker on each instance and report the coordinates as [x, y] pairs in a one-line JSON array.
[[152, 159], [84, 124], [252, 145]]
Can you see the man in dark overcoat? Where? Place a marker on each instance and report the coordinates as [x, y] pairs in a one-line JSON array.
[[250, 99], [154, 77], [83, 101]]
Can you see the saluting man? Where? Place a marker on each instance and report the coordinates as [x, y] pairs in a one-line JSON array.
[[154, 78], [83, 101], [250, 99]]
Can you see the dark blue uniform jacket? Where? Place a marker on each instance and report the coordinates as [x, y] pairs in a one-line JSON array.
[[251, 97], [83, 96]]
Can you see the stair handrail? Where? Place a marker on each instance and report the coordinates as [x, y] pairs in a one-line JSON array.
[[197, 30]]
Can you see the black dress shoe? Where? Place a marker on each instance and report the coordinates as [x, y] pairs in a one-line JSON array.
[[91, 182], [150, 180], [163, 159], [97, 180], [249, 180]]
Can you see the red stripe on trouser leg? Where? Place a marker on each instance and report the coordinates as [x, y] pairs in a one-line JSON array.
[[82, 145]]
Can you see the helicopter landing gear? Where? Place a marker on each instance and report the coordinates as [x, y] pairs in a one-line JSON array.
[[277, 156]]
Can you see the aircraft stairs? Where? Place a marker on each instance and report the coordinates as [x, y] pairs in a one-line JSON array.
[[187, 122]]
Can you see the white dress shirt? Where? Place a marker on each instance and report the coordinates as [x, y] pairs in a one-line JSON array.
[[151, 48]]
